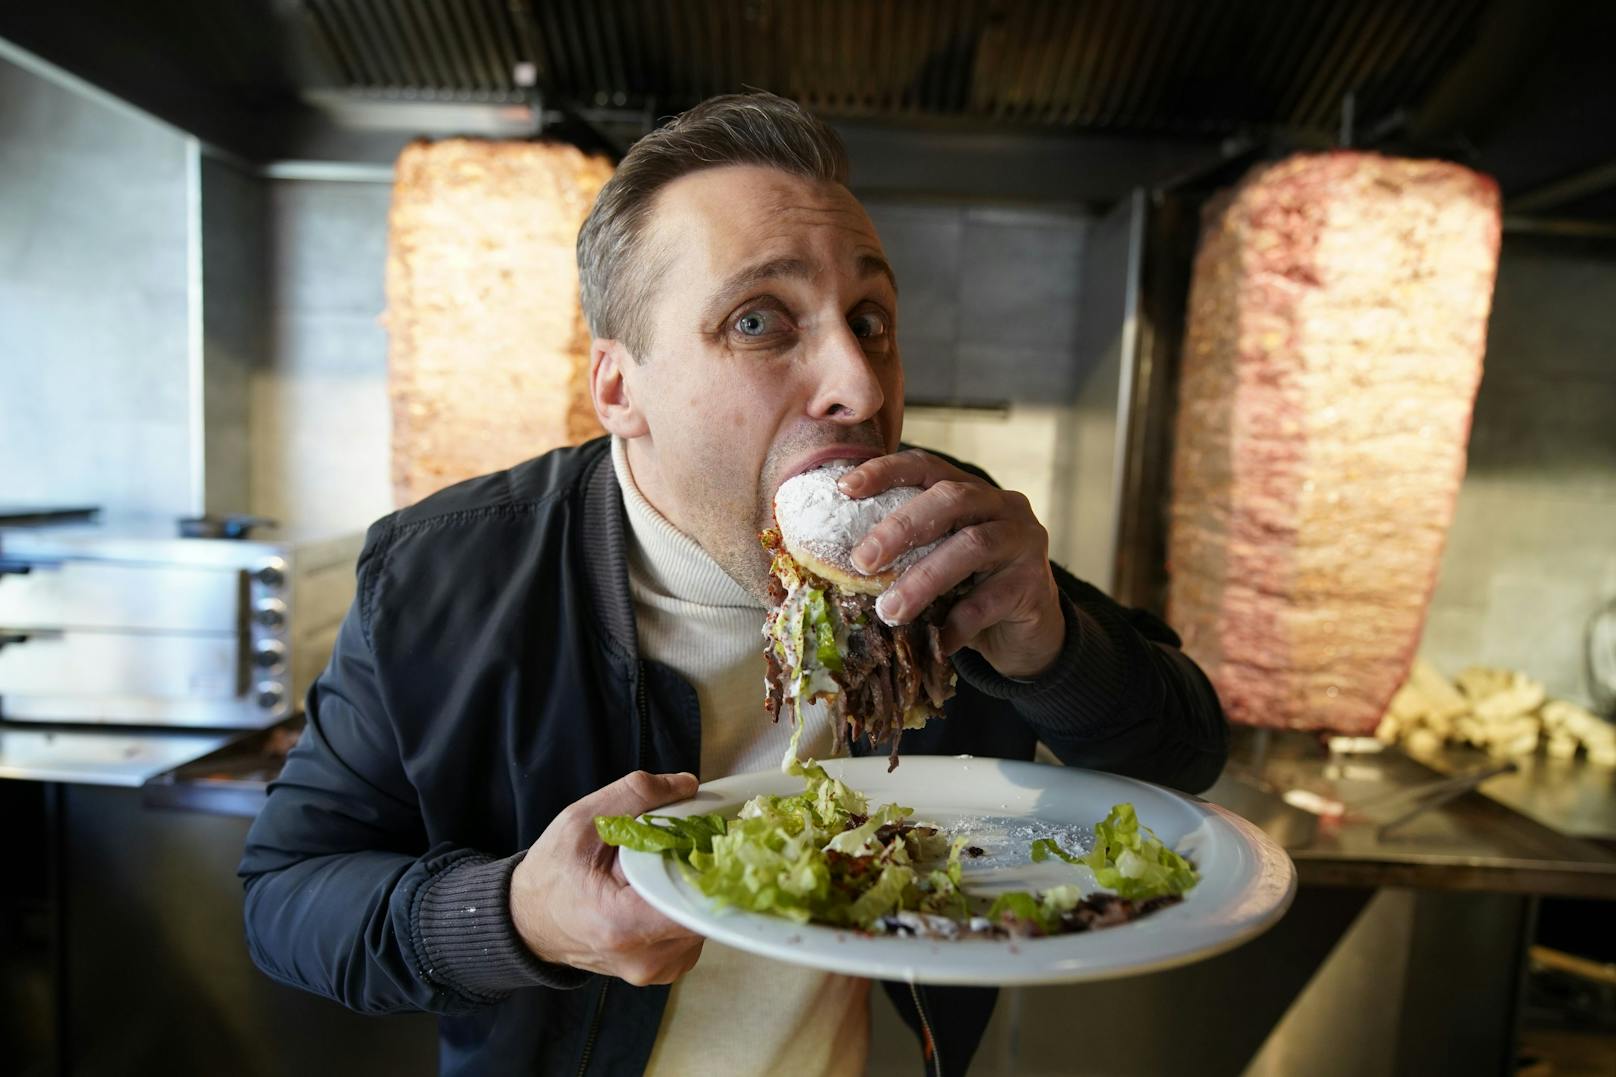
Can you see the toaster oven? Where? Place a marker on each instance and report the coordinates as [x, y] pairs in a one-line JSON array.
[[122, 623]]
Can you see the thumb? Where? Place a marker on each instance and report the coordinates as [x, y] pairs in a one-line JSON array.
[[639, 791]]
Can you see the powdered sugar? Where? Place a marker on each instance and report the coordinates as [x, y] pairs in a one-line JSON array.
[[815, 515]]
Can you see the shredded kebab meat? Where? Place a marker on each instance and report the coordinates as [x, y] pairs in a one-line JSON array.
[[887, 670]]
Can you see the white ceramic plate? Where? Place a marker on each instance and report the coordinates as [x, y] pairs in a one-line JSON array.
[[1247, 881]]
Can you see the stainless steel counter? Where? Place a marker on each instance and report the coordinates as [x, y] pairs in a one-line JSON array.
[[1471, 843], [1571, 796], [98, 756]]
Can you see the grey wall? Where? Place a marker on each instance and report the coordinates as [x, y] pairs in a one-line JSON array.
[[319, 418], [234, 325], [988, 313], [988, 299], [1532, 552], [95, 393]]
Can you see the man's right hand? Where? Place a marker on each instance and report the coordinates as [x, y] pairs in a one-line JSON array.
[[572, 905]]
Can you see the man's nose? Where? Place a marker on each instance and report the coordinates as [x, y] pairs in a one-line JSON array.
[[847, 386]]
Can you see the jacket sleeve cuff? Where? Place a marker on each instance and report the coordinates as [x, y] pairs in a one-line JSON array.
[[465, 937], [1080, 695]]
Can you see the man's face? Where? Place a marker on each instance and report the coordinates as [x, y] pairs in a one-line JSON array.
[[774, 341]]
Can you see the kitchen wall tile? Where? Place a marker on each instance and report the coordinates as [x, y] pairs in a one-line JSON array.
[[1000, 372], [1560, 431], [328, 246], [320, 416], [93, 346], [328, 343], [923, 245], [1020, 281], [1015, 446], [320, 449], [234, 318], [1552, 310], [930, 368], [1530, 556]]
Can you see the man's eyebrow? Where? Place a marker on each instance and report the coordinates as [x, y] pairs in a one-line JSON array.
[[869, 265], [873, 265], [743, 279]]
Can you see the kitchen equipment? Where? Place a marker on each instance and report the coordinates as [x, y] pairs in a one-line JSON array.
[[1602, 659], [31, 515], [231, 526], [126, 623]]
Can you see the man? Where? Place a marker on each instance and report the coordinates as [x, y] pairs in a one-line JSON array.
[[581, 635]]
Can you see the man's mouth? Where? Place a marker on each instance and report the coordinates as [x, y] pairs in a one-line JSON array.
[[832, 456]]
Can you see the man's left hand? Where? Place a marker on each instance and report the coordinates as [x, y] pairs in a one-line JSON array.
[[1012, 615]]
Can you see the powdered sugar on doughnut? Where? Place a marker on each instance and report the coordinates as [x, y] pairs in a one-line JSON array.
[[814, 515]]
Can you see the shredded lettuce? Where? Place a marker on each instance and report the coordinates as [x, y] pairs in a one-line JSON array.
[[1129, 859], [781, 854], [804, 635], [1044, 847], [816, 612], [819, 856], [674, 835]]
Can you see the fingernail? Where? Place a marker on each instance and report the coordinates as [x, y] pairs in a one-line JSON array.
[[864, 555], [850, 482], [890, 608]]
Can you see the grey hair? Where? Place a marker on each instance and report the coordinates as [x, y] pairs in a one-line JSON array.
[[616, 274]]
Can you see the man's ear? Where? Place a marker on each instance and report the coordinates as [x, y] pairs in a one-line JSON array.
[[609, 367]]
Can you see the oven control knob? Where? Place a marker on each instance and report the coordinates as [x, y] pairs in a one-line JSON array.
[[270, 695], [269, 613], [269, 653], [271, 573]]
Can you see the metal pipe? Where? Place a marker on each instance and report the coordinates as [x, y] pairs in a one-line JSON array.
[[1580, 185]]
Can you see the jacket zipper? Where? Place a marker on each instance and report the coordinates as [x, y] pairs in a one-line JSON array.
[[645, 716], [594, 1027], [925, 1026]]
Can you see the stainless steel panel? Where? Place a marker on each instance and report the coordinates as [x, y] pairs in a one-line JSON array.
[[128, 597], [85, 665], [125, 624], [242, 712], [99, 757], [1094, 440]]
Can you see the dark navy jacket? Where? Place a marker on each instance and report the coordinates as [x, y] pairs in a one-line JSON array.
[[487, 676]]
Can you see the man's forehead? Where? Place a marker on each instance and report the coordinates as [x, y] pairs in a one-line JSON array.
[[746, 207]]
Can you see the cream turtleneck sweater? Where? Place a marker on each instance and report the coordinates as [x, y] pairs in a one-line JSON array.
[[733, 1013]]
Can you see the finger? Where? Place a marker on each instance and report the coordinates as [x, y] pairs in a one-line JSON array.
[[633, 916], [636, 792], [946, 506], [643, 936], [978, 548], [687, 960], [911, 467], [661, 965], [994, 600]]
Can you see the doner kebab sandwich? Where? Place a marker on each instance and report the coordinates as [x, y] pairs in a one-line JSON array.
[[825, 639]]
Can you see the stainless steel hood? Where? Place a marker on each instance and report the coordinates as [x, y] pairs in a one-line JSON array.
[[1515, 87]]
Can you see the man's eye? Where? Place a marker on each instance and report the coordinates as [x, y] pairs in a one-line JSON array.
[[868, 324], [758, 323]]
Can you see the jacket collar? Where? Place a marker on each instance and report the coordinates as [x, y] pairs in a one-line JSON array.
[[605, 552]]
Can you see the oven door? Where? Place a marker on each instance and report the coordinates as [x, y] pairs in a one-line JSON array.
[[117, 641]]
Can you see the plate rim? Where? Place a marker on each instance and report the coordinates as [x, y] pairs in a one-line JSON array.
[[641, 868]]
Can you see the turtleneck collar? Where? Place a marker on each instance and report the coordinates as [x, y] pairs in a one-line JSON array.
[[666, 559]]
